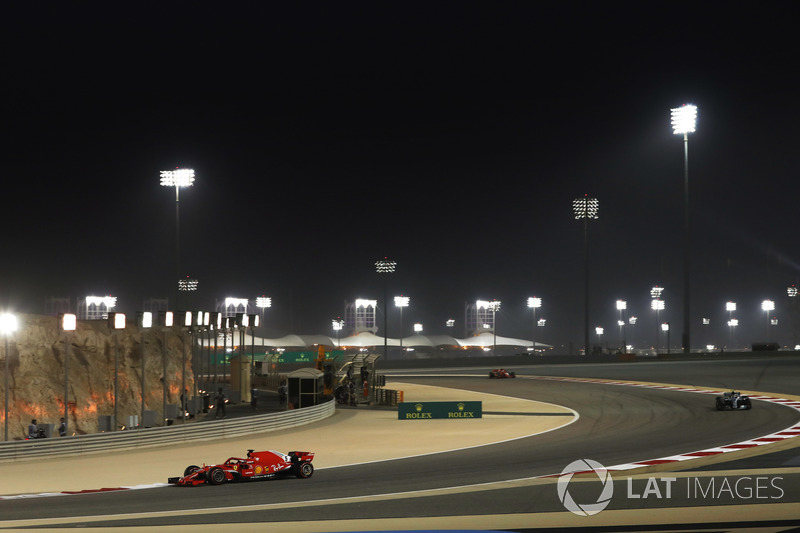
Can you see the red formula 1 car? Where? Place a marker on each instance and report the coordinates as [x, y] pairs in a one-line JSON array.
[[501, 373], [257, 465]]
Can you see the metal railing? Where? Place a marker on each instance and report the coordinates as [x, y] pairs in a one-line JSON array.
[[161, 436]]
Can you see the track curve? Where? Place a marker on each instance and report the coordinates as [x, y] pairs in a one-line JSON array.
[[617, 425]]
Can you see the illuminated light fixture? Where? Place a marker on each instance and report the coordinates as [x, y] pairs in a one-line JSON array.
[[144, 319], [665, 326], [187, 284], [418, 328], [385, 266], [337, 325], [599, 330], [622, 305], [263, 301], [791, 291], [166, 318], [180, 177], [684, 119], [541, 322], [730, 307], [585, 208], [656, 291], [767, 305], [69, 322], [632, 320], [657, 305]]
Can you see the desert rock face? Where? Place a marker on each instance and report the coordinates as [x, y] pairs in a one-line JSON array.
[[36, 372]]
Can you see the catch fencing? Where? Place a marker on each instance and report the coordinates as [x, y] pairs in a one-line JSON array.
[[162, 436]]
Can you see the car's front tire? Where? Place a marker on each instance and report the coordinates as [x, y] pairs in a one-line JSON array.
[[304, 470], [190, 470], [216, 476]]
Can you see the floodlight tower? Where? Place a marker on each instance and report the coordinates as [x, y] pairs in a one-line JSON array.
[[8, 325], [180, 177], [730, 307], [684, 119], [585, 209], [338, 324], [262, 302], [768, 306], [494, 306], [401, 302], [534, 303], [622, 305], [385, 266]]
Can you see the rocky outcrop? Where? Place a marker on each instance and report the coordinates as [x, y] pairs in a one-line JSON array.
[[36, 372]]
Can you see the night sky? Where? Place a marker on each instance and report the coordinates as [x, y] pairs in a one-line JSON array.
[[451, 137]]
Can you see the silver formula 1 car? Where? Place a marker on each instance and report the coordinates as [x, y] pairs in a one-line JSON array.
[[733, 400]]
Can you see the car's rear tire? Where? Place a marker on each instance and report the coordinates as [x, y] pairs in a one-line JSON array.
[[190, 470], [216, 476], [491, 375], [304, 470], [720, 406]]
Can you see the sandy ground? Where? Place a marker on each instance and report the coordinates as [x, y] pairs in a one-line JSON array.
[[354, 435]]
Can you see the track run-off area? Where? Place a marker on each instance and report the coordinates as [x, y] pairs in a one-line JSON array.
[[673, 461]]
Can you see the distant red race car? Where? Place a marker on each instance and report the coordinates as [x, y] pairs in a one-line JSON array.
[[501, 373], [257, 465]]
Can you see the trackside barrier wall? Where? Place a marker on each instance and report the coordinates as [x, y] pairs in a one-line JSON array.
[[161, 436]]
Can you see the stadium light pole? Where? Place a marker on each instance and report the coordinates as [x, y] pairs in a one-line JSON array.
[[585, 209], [791, 292], [684, 119], [622, 305], [494, 305], [180, 177], [657, 305], [534, 303], [401, 302], [337, 325], [144, 320], [68, 323], [385, 266], [768, 306], [116, 321], [8, 325], [730, 307]]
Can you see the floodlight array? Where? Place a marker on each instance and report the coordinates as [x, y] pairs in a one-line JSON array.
[[180, 177], [585, 207], [385, 266], [684, 119]]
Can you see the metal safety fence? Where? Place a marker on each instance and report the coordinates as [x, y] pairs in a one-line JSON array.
[[162, 436]]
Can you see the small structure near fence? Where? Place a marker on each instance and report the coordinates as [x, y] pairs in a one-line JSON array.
[[306, 388]]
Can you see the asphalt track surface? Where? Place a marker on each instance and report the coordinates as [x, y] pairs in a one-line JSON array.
[[496, 486]]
